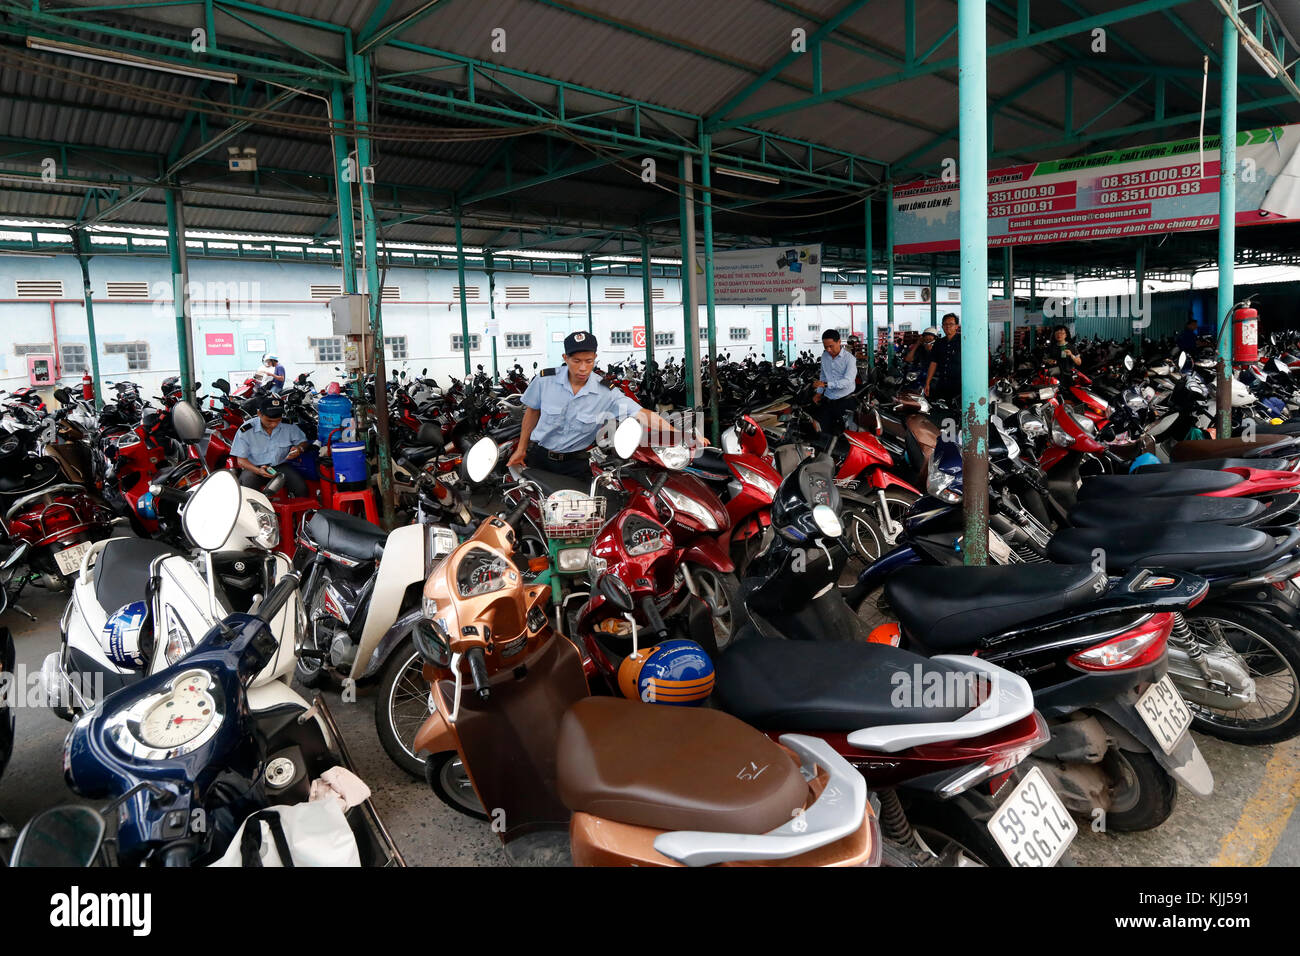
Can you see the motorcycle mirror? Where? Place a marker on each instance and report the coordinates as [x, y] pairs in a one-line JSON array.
[[221, 385], [1128, 362], [188, 422], [62, 836], [15, 556], [627, 437], [210, 514], [1183, 360], [613, 590], [429, 434], [62, 395], [481, 459]]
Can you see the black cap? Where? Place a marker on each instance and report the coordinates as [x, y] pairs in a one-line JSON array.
[[579, 342], [272, 407]]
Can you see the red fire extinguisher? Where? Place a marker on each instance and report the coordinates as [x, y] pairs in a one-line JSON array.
[[1245, 336], [87, 387]]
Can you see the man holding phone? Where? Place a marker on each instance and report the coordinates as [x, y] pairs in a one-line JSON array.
[[262, 445]]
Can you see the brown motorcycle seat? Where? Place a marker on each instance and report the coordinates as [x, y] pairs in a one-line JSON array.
[[1204, 448], [674, 768]]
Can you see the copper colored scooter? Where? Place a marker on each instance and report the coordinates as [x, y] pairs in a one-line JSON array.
[[598, 781]]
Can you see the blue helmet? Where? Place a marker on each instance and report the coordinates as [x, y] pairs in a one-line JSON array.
[[1144, 459], [674, 672], [146, 507], [125, 632]]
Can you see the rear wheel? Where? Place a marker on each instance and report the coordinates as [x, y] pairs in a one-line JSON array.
[[402, 705], [1142, 792], [945, 828]]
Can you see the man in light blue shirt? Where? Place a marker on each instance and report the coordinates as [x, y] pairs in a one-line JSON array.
[[266, 442], [565, 410], [839, 380]]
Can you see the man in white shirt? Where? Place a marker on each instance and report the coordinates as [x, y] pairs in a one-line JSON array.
[[839, 380]]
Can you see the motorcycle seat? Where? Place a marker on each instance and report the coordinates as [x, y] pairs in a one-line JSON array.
[[710, 465], [955, 608], [417, 455], [1216, 464], [1202, 449], [1285, 428], [1212, 548], [348, 535], [31, 474], [551, 482], [122, 570], [1191, 481], [821, 686], [1192, 509], [674, 768]]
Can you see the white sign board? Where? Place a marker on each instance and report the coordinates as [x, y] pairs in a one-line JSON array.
[[779, 275]]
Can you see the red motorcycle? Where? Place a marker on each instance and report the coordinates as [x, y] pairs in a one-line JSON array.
[[137, 456], [742, 476], [59, 523]]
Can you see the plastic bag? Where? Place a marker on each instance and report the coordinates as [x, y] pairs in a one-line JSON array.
[[315, 833]]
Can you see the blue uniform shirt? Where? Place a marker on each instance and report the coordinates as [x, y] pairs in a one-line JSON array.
[[571, 422], [840, 373], [252, 442]]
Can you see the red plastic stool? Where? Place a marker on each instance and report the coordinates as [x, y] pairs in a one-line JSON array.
[[344, 500], [291, 512]]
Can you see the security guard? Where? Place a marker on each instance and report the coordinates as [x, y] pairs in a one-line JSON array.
[[268, 442], [566, 407]]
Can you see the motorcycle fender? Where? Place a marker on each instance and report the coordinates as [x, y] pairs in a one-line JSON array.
[[436, 735], [879, 478], [1186, 764], [710, 553], [401, 566], [394, 636]]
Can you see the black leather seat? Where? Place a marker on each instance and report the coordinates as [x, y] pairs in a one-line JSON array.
[[1216, 464], [826, 685], [1211, 548], [954, 608], [122, 570], [1192, 481], [1193, 509], [347, 535], [710, 465], [417, 455], [1286, 428]]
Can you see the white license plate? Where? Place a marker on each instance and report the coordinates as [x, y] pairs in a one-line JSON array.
[[1032, 827], [69, 559], [1163, 711]]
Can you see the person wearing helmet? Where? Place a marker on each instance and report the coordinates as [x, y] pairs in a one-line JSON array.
[[565, 409], [275, 372], [919, 353]]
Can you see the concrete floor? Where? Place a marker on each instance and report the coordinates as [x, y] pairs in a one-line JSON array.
[[1248, 821]]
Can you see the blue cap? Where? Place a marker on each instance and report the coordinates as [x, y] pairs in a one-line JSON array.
[[579, 342]]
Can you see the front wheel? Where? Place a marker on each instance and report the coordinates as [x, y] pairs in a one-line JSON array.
[[445, 774], [718, 589], [402, 705]]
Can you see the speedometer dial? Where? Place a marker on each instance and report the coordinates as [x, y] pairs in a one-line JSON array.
[[178, 718], [172, 721]]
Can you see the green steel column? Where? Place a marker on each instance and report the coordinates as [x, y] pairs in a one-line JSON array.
[[1139, 276], [871, 302], [586, 272], [889, 274], [1227, 217], [776, 332], [1008, 287], [649, 306], [972, 108], [343, 189], [180, 285], [464, 307], [710, 310], [934, 290], [370, 243], [492, 310], [82, 249], [690, 308]]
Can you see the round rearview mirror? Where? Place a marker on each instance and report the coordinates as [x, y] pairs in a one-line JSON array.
[[63, 836], [1183, 360], [1280, 366], [731, 442], [429, 434], [627, 437], [221, 385], [1128, 362], [61, 394], [481, 459], [827, 521], [188, 422], [212, 510]]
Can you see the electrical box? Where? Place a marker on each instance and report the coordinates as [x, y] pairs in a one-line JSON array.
[[241, 161], [351, 314], [352, 353], [40, 370]]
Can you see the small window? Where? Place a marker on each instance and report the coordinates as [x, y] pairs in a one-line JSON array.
[[127, 290], [814, 328], [458, 342], [40, 348], [613, 293], [323, 293], [39, 288], [840, 295], [391, 293], [738, 334], [515, 293], [656, 293], [74, 356], [620, 338], [327, 349], [395, 346], [137, 354], [471, 292], [665, 338], [519, 340], [911, 295], [704, 332]]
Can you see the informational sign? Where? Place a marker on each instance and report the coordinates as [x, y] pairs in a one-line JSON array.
[[1000, 310], [255, 345], [785, 333], [638, 336], [780, 275], [219, 343], [1166, 187]]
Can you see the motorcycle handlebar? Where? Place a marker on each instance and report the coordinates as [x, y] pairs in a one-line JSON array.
[[277, 597], [478, 671], [652, 618], [174, 495], [516, 513]]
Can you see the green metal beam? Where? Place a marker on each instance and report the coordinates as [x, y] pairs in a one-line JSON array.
[[549, 177]]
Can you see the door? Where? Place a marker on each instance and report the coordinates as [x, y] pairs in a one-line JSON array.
[[231, 350], [558, 327]]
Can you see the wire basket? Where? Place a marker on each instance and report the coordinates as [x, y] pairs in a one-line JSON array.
[[571, 514]]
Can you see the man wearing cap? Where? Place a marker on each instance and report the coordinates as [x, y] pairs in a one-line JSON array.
[[566, 407], [276, 372], [266, 443]]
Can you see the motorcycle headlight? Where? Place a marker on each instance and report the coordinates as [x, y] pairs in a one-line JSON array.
[[429, 606], [827, 521], [268, 527], [690, 506], [750, 477], [674, 457], [1060, 436], [179, 641], [938, 486], [573, 559]]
